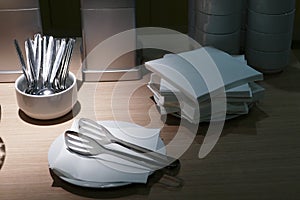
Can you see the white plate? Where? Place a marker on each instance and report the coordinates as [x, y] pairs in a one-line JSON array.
[[86, 172]]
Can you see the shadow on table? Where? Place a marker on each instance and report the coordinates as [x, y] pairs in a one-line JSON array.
[[2, 153], [287, 80], [165, 178], [246, 123], [79, 84], [73, 113]]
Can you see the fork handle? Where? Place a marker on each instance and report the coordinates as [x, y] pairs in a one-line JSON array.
[[150, 164], [158, 157]]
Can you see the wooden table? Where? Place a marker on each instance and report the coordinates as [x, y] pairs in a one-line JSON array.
[[257, 156]]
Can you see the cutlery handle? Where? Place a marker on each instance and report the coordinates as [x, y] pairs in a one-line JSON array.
[[150, 164], [31, 60], [22, 61], [158, 157]]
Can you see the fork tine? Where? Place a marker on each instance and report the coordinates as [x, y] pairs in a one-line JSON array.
[[79, 143], [87, 131], [79, 150], [90, 124], [75, 137], [84, 122]]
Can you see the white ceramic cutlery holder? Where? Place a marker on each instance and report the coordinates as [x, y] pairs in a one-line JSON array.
[[19, 19], [269, 34]]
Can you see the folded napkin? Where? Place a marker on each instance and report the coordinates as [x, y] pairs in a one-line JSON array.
[[190, 71], [103, 167], [184, 84]]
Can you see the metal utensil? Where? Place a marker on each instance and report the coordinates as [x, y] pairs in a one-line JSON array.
[[44, 62], [31, 65], [47, 66], [88, 146], [65, 63], [57, 63], [22, 62], [29, 69], [53, 83], [104, 137], [38, 61]]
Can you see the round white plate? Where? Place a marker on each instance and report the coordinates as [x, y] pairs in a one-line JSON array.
[[58, 147]]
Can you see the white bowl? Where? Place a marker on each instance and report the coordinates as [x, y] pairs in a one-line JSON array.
[[218, 24], [229, 43], [271, 42], [217, 7], [267, 62], [47, 106], [272, 6], [265, 23]]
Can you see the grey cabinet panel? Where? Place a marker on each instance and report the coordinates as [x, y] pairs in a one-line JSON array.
[[99, 25], [15, 24], [101, 20], [18, 4]]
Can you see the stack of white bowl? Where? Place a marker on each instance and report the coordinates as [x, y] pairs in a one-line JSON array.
[[269, 34], [218, 24]]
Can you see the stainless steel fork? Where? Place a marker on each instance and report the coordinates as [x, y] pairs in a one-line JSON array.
[[104, 137], [88, 146]]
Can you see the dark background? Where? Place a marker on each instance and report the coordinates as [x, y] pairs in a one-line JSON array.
[[62, 17]]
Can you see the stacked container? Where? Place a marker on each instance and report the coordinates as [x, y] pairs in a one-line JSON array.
[[269, 34], [102, 19], [218, 24], [19, 19]]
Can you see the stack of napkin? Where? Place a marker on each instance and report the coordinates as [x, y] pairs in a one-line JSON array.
[[190, 84]]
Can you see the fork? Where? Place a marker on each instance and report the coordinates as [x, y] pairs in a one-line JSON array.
[[88, 146], [104, 137]]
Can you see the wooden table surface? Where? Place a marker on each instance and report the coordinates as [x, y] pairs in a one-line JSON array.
[[257, 156]]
